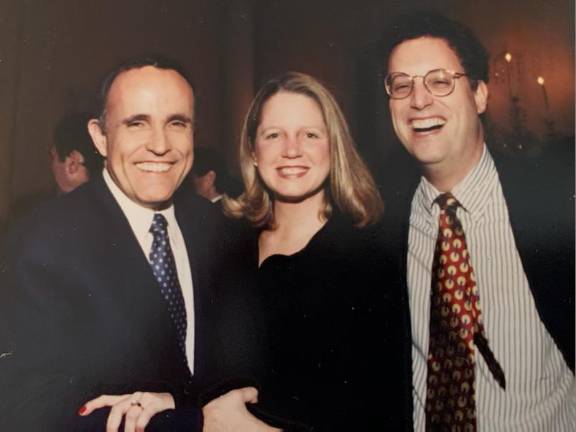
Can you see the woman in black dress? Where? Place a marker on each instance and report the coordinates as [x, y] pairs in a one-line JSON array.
[[331, 338]]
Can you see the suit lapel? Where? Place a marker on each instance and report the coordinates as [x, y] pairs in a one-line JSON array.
[[132, 282], [195, 223]]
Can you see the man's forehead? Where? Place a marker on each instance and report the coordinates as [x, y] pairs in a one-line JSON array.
[[431, 50], [152, 78]]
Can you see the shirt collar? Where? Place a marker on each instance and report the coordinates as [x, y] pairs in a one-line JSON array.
[[472, 192], [139, 218]]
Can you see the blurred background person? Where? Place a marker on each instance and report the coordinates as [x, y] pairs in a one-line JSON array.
[[323, 314], [210, 177], [74, 159]]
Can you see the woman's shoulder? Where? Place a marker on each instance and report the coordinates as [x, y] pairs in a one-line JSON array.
[[359, 256], [340, 234]]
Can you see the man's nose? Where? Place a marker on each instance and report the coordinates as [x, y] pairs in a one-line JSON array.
[[420, 97], [159, 143]]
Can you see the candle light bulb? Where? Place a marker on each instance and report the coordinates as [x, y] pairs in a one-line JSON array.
[[508, 57], [540, 80]]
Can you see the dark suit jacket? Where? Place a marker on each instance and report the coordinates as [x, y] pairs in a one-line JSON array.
[[540, 197], [82, 314]]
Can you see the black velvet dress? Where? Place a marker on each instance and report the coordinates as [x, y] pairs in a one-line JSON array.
[[323, 337]]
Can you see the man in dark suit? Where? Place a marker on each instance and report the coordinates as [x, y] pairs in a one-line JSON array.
[[485, 246], [104, 291]]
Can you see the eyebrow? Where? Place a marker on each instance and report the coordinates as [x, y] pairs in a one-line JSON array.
[[180, 117], [145, 117], [310, 126], [136, 117]]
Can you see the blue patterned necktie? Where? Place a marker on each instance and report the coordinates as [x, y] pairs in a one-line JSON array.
[[164, 269]]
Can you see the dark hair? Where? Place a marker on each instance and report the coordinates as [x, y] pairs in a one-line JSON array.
[[157, 61], [470, 51], [71, 134]]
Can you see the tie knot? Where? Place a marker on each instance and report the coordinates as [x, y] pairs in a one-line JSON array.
[[446, 201], [159, 224]]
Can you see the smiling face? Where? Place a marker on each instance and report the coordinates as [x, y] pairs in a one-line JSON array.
[[292, 147], [443, 133], [148, 136]]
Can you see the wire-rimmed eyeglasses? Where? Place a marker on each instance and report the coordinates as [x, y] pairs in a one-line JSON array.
[[438, 82]]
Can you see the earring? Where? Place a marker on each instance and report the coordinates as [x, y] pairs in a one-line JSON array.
[[255, 162]]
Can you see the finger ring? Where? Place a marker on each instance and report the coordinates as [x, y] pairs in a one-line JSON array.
[[136, 403]]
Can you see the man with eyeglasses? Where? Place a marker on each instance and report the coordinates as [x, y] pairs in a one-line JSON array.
[[485, 246]]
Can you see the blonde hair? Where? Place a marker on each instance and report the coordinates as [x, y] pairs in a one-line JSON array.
[[350, 187]]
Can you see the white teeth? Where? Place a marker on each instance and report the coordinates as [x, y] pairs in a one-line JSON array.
[[427, 123], [153, 166], [292, 170]]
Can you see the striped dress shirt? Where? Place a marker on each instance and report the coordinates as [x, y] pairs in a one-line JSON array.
[[540, 390]]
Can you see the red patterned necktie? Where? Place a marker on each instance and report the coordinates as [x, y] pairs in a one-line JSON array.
[[455, 328]]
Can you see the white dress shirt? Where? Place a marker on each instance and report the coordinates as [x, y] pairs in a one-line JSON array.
[[540, 390], [140, 220]]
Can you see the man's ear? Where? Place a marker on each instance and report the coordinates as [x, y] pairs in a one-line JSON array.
[[95, 129], [481, 97], [74, 162], [210, 177]]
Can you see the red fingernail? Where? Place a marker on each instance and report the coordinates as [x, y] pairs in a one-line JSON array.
[[82, 410]]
